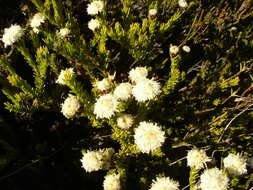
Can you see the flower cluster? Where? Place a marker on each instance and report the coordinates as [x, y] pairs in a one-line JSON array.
[[112, 182], [97, 160], [70, 106], [36, 21], [148, 136], [12, 34], [106, 106], [197, 158], [125, 121], [94, 8], [213, 179], [144, 88], [104, 84], [235, 164], [123, 91], [63, 32], [164, 183], [65, 76]]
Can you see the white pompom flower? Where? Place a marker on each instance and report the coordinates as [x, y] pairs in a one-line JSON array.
[[164, 183], [174, 49], [106, 106], [12, 34], [64, 32], [65, 76], [138, 74], [94, 24], [152, 12], [214, 178], [182, 3], [70, 106], [147, 89], [235, 164], [123, 91], [104, 84], [97, 160], [125, 121], [197, 158], [95, 7], [186, 49], [112, 182], [36, 21], [148, 137]]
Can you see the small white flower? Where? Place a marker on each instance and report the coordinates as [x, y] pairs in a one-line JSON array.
[[164, 183], [148, 136], [106, 106], [212, 179], [64, 32], [123, 91], [186, 49], [36, 21], [95, 7], [152, 12], [137, 74], [94, 24], [12, 34], [182, 3], [70, 106], [97, 160], [174, 49], [65, 75], [197, 158], [112, 182], [125, 121], [103, 84], [146, 90], [36, 30], [235, 164]]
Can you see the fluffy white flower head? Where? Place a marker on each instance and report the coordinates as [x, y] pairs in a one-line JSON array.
[[152, 12], [197, 158], [112, 182], [106, 106], [103, 84], [70, 106], [164, 183], [235, 164], [174, 49], [12, 34], [146, 90], [123, 91], [125, 121], [37, 20], [213, 179], [148, 136], [94, 24], [137, 74], [186, 49], [95, 7], [97, 160], [182, 3], [64, 32], [65, 75]]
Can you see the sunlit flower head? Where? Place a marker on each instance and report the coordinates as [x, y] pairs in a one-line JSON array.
[[106, 106], [148, 136], [12, 34]]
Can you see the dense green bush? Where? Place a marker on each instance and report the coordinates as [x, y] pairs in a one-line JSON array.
[[186, 69]]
